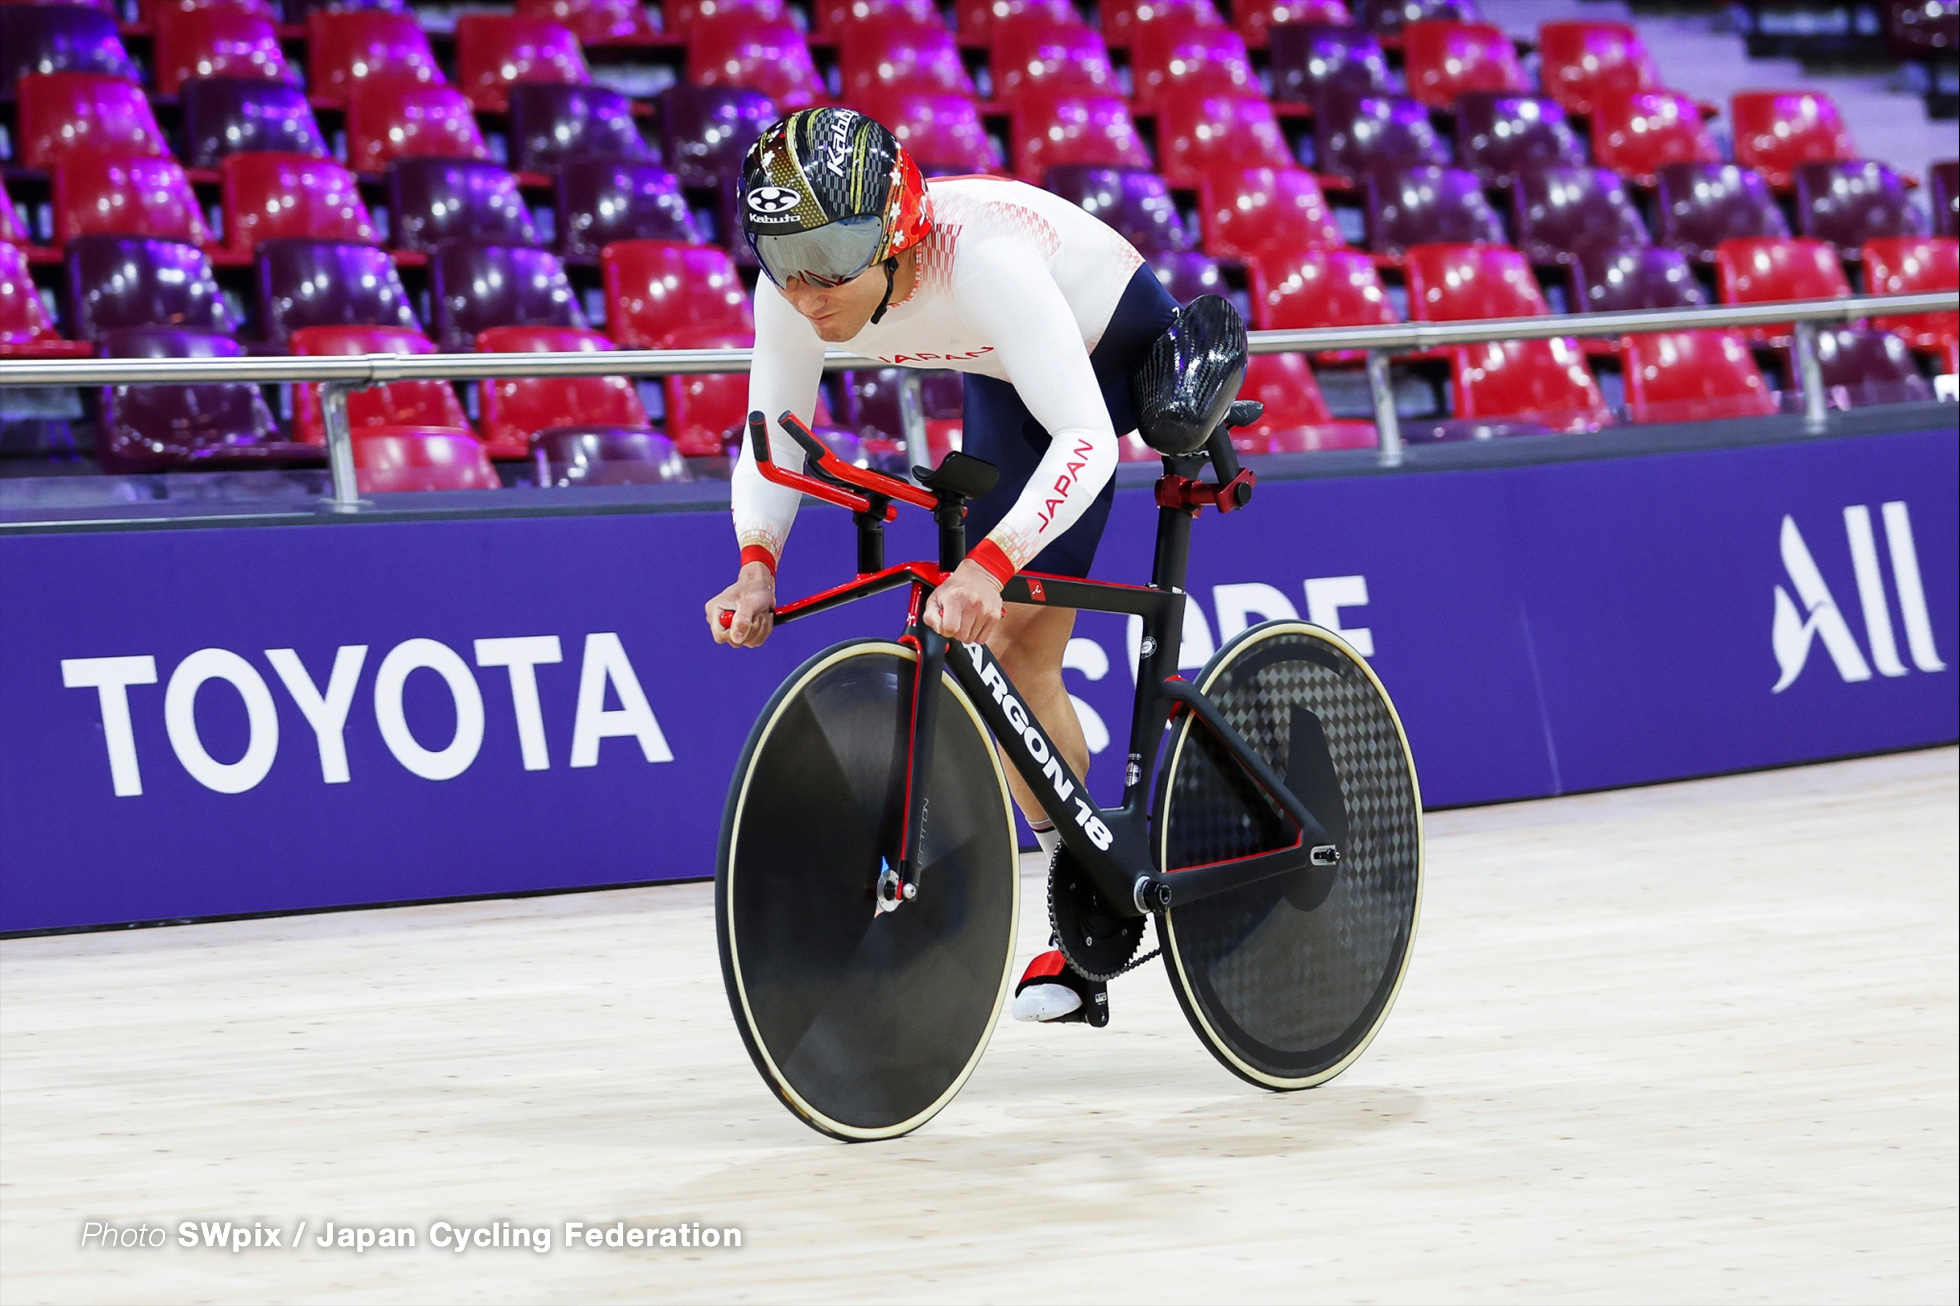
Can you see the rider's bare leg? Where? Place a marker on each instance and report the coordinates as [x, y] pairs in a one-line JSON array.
[[1030, 642]]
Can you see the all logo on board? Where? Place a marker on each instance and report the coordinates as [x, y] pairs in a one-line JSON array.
[[1807, 614]]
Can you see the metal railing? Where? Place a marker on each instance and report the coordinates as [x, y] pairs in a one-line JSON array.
[[339, 375]]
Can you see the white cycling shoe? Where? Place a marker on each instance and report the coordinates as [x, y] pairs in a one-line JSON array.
[[1051, 991]]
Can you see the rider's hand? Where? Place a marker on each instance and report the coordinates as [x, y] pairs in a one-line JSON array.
[[752, 599], [968, 606]]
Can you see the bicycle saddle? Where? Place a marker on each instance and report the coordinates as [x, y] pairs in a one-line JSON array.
[[1188, 379], [959, 473]]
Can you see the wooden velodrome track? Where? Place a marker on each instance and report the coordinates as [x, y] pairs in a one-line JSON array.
[[1692, 1042]]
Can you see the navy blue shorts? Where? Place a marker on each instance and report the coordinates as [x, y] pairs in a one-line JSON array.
[[997, 426]]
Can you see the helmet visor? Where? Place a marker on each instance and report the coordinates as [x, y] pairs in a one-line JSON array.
[[830, 255]]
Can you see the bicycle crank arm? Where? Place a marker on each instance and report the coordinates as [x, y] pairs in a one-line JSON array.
[[1163, 891]]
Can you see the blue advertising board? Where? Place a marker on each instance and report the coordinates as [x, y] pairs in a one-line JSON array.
[[201, 722]]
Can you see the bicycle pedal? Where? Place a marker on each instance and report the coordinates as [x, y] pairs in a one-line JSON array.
[[1096, 1010]]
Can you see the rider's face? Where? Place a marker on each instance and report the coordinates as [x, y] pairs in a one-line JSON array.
[[839, 312]]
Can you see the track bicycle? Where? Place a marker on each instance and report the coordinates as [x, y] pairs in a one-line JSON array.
[[867, 880]]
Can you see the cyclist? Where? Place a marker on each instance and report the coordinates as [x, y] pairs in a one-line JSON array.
[[1044, 310]]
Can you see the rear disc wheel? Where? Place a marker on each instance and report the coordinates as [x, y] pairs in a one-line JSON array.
[[864, 1024], [1287, 980]]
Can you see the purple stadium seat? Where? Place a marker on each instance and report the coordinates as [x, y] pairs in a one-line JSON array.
[[1697, 206], [900, 54], [155, 428], [943, 132], [218, 42], [388, 119], [434, 200], [59, 114], [1352, 137], [1608, 280], [1851, 203], [551, 122], [1445, 60], [1311, 63], [598, 22], [1391, 16], [59, 39], [401, 459], [758, 54], [1428, 206], [223, 116], [604, 200], [1458, 283], [304, 283], [1862, 366], [1186, 274], [1136, 203], [606, 455], [495, 51], [1169, 61], [1252, 209], [125, 281], [1501, 136], [1063, 59], [1943, 186], [1561, 212], [1051, 130], [1206, 133], [475, 287], [706, 131]]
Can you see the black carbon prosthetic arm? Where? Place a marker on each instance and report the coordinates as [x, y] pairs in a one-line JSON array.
[[1186, 383]]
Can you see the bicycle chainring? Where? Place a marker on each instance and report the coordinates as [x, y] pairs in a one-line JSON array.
[[1098, 940]]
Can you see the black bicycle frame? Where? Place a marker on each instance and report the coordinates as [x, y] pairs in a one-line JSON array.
[[1111, 844]]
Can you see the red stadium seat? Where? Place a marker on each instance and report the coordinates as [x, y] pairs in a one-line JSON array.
[[1049, 130], [495, 50], [223, 42], [125, 195], [60, 113], [1777, 130], [683, 14], [1303, 289], [398, 403], [396, 459], [1456, 283], [388, 119], [1123, 19], [1048, 57], [757, 54], [1693, 376], [1254, 19], [1443, 60], [26, 326], [597, 22], [835, 16], [1169, 59], [974, 19], [149, 11], [706, 408], [1764, 270], [1206, 133], [347, 46], [656, 288], [1904, 265], [899, 54], [13, 229], [1583, 65], [272, 195], [1635, 135], [1296, 419], [942, 132], [515, 409], [1542, 381], [1250, 210]]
